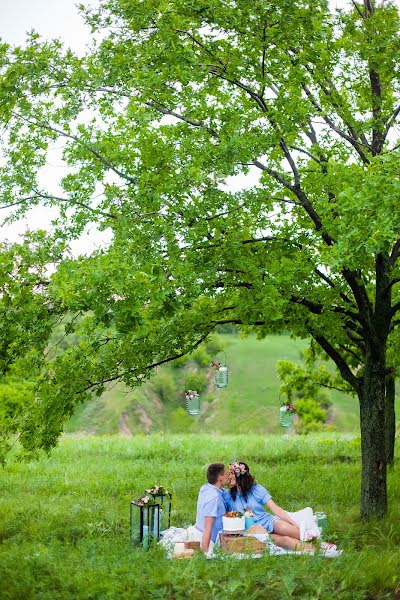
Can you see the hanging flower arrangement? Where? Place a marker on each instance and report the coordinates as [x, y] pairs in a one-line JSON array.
[[286, 413], [215, 365], [288, 407], [192, 396], [220, 372]]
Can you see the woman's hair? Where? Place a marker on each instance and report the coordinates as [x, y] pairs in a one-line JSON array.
[[244, 480]]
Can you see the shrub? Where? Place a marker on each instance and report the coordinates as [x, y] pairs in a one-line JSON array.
[[180, 421], [164, 386], [312, 415]]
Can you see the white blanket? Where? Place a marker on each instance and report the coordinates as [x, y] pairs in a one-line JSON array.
[[304, 518], [179, 534]]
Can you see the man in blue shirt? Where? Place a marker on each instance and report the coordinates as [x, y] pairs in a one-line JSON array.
[[210, 504]]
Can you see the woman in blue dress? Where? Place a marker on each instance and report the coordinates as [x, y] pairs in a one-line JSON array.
[[246, 493]]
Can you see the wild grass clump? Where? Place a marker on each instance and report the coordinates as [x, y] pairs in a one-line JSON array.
[[64, 521]]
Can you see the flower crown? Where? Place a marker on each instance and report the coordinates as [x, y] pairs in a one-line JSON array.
[[237, 468]]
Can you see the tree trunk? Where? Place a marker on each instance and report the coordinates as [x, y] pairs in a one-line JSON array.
[[373, 440], [390, 419]]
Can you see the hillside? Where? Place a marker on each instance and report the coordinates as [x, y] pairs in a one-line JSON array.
[[249, 404]]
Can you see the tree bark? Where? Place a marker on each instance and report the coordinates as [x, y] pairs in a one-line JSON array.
[[372, 397], [390, 419]]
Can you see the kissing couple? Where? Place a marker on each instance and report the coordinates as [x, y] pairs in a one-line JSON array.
[[244, 493]]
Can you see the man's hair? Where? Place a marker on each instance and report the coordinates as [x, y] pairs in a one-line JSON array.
[[214, 471]]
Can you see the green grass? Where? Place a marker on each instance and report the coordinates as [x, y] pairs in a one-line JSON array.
[[64, 521], [249, 404]]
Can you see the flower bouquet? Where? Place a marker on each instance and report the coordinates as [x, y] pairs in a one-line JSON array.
[[215, 365], [158, 490], [142, 501], [191, 394], [288, 407]]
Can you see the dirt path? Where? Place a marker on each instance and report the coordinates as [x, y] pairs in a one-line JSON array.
[[123, 425]]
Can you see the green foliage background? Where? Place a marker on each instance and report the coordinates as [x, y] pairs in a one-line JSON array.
[[249, 404]]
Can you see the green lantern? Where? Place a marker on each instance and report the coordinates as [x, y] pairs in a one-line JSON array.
[[145, 520], [322, 523], [163, 498]]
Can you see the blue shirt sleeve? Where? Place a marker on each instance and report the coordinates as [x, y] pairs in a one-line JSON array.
[[261, 494]]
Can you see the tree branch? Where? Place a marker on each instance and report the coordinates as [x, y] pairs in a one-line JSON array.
[[337, 359], [332, 284], [357, 8], [317, 308], [68, 200], [395, 252], [165, 111], [391, 121], [95, 152], [334, 127], [93, 384], [394, 309]]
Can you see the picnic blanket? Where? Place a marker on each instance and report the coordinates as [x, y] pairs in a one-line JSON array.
[[304, 518]]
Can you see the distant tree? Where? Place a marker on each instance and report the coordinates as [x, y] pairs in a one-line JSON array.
[[173, 100], [27, 318]]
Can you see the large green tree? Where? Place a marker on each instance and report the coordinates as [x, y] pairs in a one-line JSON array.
[[243, 158]]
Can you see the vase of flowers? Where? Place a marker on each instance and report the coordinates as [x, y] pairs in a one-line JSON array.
[[220, 372], [163, 497], [192, 402]]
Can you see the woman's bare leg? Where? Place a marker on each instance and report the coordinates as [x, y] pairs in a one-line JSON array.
[[285, 541], [283, 528]]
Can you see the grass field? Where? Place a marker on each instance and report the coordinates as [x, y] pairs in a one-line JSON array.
[[249, 404], [64, 521]]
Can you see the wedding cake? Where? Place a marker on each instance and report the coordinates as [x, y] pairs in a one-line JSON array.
[[233, 521]]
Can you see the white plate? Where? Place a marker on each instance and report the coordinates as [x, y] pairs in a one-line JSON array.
[[237, 532]]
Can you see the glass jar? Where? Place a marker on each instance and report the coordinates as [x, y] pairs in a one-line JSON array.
[[221, 377], [285, 417]]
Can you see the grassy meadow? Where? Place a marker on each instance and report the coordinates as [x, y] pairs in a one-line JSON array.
[[64, 520]]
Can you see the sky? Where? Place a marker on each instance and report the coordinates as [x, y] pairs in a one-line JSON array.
[[55, 19], [52, 19]]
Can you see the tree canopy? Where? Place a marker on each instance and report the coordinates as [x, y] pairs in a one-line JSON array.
[[243, 158]]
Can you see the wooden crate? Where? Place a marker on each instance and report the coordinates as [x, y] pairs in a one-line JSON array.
[[188, 551], [241, 544], [192, 545]]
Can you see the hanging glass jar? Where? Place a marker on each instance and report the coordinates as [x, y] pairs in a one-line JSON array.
[[220, 369], [286, 413], [192, 396]]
